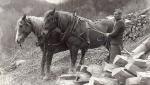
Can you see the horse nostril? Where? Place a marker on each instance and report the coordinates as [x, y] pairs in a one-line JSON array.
[[44, 33], [17, 41]]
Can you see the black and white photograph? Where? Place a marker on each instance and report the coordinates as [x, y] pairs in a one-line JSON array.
[[74, 42]]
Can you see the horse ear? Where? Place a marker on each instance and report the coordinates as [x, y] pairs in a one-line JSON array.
[[53, 12], [24, 17], [74, 13]]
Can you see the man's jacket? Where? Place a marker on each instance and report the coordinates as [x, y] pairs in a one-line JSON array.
[[116, 35]]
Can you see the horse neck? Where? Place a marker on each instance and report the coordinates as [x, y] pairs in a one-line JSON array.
[[37, 23], [64, 20]]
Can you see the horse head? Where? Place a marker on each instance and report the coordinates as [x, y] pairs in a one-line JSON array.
[[24, 28], [50, 21]]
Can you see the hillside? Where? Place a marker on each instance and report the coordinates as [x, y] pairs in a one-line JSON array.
[[29, 72]]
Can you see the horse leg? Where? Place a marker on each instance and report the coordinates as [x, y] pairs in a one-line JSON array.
[[83, 51], [74, 53], [108, 57], [43, 63], [49, 57]]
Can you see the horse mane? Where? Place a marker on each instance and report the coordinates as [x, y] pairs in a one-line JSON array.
[[60, 13]]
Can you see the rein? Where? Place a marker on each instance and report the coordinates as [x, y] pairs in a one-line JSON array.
[[107, 40], [93, 28]]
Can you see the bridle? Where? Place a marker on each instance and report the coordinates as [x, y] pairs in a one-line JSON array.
[[25, 34]]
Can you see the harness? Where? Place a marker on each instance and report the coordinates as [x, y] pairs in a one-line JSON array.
[[71, 29], [68, 32]]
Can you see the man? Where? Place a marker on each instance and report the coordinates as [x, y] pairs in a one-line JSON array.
[[116, 42]]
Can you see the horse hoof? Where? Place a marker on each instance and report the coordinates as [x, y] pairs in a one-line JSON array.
[[78, 68], [81, 63], [72, 71], [46, 78]]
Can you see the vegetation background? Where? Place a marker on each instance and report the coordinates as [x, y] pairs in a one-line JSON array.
[[12, 10]]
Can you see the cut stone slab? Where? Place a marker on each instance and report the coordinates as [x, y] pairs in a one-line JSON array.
[[106, 74], [109, 67], [67, 77], [138, 55], [121, 74], [65, 82], [102, 81], [148, 65], [95, 70], [142, 47], [73, 79], [133, 81], [120, 60], [140, 63], [148, 58], [133, 68], [144, 77]]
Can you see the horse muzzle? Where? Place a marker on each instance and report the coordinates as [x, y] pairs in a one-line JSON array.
[[19, 40], [45, 32]]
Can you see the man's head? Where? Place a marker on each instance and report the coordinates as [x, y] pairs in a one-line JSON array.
[[118, 14]]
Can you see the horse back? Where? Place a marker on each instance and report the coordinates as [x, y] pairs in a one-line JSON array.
[[104, 25], [97, 39]]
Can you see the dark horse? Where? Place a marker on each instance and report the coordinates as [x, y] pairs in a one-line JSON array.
[[74, 29]]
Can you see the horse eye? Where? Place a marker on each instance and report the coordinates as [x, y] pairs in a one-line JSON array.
[[20, 26]]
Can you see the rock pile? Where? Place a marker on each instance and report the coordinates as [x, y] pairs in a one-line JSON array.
[[135, 23], [125, 70], [135, 26]]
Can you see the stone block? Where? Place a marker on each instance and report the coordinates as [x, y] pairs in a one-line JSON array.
[[138, 55], [121, 74], [133, 81], [95, 70], [109, 67], [102, 81], [120, 60], [144, 77], [133, 68], [67, 77], [140, 63]]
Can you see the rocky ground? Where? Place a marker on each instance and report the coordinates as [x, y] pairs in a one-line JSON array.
[[28, 73]]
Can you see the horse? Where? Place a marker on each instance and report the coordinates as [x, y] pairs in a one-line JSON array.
[[74, 29], [26, 25]]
